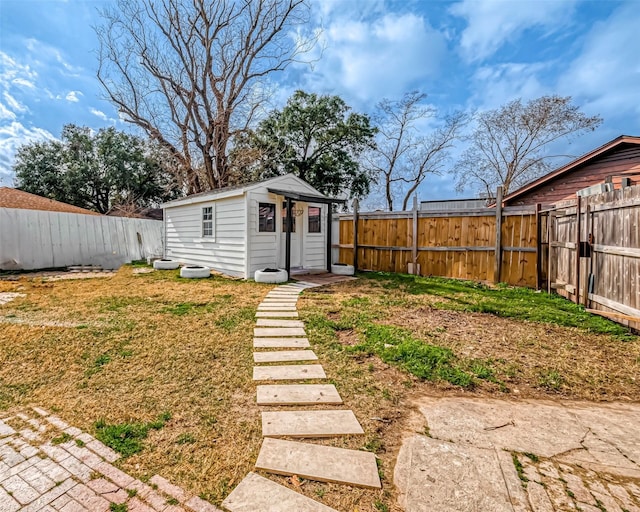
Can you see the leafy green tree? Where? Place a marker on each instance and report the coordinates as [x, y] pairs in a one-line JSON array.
[[97, 171], [316, 138]]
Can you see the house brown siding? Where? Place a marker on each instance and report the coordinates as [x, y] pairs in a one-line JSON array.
[[623, 161]]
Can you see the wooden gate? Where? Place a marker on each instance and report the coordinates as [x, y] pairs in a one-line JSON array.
[[592, 247]]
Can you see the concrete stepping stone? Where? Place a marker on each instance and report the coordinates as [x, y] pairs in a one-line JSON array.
[[279, 302], [274, 322], [286, 293], [287, 300], [277, 314], [258, 494], [268, 307], [310, 424], [289, 372], [317, 462], [280, 343], [267, 332], [284, 356], [298, 394]]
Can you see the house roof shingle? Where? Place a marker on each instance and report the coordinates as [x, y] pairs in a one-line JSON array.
[[14, 198], [574, 164]]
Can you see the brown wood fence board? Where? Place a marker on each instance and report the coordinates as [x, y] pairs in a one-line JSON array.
[[462, 244], [613, 219]]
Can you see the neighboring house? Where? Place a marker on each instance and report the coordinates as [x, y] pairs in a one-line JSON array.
[[617, 163], [136, 213], [452, 204], [238, 230], [18, 199]]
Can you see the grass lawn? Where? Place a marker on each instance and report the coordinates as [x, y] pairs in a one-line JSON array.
[[160, 368], [157, 366]]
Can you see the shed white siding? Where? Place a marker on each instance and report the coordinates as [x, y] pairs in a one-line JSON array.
[[224, 251], [264, 248], [237, 247]]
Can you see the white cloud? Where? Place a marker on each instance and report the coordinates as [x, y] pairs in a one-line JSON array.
[[44, 52], [498, 84], [99, 113], [73, 96], [493, 23], [384, 56], [606, 74], [13, 103], [5, 113], [11, 71], [24, 83], [12, 136]]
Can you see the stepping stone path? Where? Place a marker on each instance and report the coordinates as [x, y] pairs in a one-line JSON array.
[[76, 475], [276, 329]]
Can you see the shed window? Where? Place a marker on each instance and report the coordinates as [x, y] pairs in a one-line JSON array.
[[267, 218], [315, 221], [207, 221], [284, 217]]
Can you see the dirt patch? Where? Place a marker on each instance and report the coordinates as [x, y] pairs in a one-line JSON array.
[[531, 359]]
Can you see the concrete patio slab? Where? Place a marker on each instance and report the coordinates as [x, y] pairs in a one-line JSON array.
[[317, 462], [277, 314], [447, 477], [570, 455], [276, 332], [275, 322], [280, 343], [310, 424], [281, 356], [258, 494], [535, 427], [289, 372], [298, 394]]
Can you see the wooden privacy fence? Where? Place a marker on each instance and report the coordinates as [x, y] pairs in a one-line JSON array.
[[485, 244], [34, 239], [593, 246]]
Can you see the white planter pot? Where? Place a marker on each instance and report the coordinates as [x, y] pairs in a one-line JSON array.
[[271, 276], [342, 269], [165, 264], [195, 272]]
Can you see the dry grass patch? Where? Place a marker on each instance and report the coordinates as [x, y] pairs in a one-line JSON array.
[[134, 348]]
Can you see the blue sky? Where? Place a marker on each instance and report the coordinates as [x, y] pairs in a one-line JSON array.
[[467, 54]]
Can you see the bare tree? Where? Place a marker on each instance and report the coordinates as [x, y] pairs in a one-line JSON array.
[[405, 156], [190, 72], [509, 144]]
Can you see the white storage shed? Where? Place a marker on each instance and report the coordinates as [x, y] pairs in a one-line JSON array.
[[238, 230]]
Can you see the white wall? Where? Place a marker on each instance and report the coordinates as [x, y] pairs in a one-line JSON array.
[[225, 251], [264, 248], [34, 239]]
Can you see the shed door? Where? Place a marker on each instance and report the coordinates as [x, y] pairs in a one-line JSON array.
[[297, 230]]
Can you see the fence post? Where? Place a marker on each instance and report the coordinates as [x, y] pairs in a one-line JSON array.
[[498, 251], [355, 234], [578, 229], [538, 246], [414, 247]]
